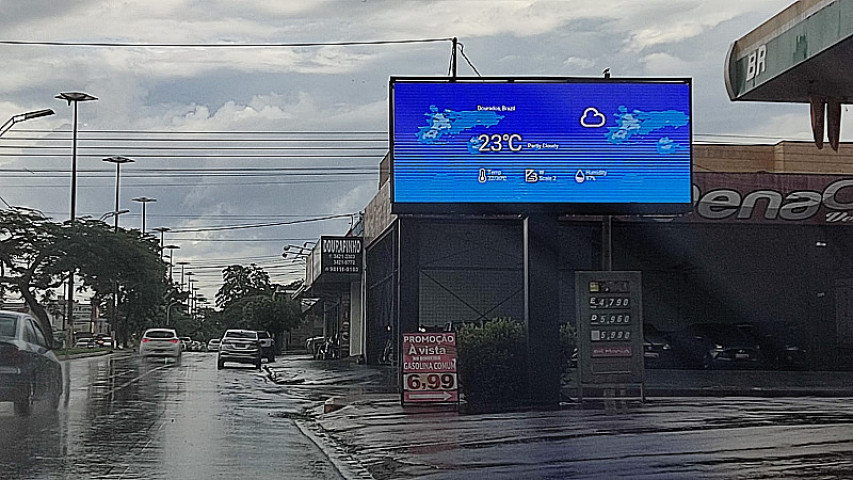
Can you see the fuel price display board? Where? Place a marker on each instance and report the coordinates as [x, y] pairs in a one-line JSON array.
[[610, 327], [566, 144], [429, 368]]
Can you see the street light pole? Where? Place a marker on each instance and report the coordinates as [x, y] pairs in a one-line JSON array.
[[162, 230], [118, 161], [75, 98], [183, 264], [172, 249], [144, 200]]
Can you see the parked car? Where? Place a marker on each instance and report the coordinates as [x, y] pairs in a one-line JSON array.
[[781, 343], [29, 370], [160, 342], [241, 346], [85, 343], [104, 342], [196, 346], [267, 345], [185, 343], [657, 351], [213, 345], [715, 345]]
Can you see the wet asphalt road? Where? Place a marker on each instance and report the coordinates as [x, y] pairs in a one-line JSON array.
[[130, 419]]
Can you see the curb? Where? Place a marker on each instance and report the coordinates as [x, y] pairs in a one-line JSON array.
[[346, 465]]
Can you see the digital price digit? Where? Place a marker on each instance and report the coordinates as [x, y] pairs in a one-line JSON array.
[[430, 381]]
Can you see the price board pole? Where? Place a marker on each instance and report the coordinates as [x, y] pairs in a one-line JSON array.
[[429, 368]]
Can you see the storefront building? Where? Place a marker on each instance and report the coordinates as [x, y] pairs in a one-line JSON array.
[[766, 242]]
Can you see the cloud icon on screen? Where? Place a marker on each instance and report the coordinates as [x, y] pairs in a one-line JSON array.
[[592, 118]]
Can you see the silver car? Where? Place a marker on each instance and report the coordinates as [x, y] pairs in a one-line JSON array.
[[241, 346], [160, 342]]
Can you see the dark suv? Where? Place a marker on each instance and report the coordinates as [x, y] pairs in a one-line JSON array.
[[267, 345]]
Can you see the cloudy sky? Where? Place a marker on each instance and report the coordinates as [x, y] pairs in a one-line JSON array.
[[258, 135]]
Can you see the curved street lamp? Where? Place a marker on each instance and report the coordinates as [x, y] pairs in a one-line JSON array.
[[22, 117]]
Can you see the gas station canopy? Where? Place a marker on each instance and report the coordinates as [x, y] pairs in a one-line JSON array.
[[802, 53]]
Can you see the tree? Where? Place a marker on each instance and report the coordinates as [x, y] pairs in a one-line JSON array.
[[239, 282], [29, 247], [36, 255], [249, 300]]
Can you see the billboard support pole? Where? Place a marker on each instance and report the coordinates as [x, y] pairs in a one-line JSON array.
[[542, 307], [453, 58], [607, 243]]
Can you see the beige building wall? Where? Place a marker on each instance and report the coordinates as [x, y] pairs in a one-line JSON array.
[[783, 157]]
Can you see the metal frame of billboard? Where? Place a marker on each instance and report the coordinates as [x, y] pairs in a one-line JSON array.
[[597, 208]]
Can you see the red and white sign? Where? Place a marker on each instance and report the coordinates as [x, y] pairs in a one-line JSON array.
[[429, 368], [599, 351]]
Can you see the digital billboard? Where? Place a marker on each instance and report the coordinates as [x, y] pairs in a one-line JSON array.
[[572, 145]]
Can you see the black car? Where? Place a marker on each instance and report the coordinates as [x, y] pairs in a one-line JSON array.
[[657, 351], [781, 343], [29, 370], [715, 345]]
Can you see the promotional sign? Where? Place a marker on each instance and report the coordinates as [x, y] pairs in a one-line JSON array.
[[570, 145], [610, 327], [429, 368]]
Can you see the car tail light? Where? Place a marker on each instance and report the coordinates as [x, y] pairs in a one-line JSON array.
[[146, 340], [174, 340]]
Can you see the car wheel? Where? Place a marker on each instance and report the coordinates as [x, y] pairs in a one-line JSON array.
[[24, 403], [220, 364], [271, 358], [258, 364]]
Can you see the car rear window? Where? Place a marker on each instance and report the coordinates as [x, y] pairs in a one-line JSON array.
[[263, 335], [160, 334], [8, 326], [251, 335]]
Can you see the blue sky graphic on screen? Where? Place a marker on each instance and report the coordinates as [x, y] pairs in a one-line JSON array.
[[541, 142]]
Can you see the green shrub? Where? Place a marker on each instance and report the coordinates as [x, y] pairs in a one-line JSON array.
[[493, 362], [568, 343]]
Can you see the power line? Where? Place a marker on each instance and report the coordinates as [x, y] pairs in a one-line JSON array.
[[260, 225], [219, 45]]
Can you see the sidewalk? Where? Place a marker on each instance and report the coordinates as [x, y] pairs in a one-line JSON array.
[[703, 436]]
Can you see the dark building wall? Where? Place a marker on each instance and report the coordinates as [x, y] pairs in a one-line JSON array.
[[472, 270]]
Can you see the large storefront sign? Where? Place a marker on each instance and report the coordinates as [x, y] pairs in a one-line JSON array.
[[429, 368], [771, 198]]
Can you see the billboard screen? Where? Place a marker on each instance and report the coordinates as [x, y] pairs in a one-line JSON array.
[[568, 144]]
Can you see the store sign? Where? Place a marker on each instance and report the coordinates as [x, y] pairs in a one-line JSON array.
[[341, 254], [577, 145], [429, 368], [335, 260], [771, 198]]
